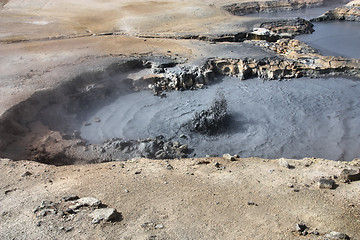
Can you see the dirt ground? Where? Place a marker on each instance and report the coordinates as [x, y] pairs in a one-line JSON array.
[[192, 199], [46, 42]]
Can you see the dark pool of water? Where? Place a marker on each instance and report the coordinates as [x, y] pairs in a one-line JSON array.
[[335, 38], [294, 119]]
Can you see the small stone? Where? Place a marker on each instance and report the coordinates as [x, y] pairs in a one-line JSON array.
[[304, 233], [217, 165], [70, 198], [349, 175], [138, 172], [9, 191], [127, 191], [148, 226], [169, 167], [251, 203], [183, 136], [60, 213], [69, 229], [86, 201], [43, 213], [326, 183], [38, 224], [26, 174], [284, 163], [104, 214], [159, 226], [315, 233], [97, 119], [337, 235], [300, 227], [227, 156]]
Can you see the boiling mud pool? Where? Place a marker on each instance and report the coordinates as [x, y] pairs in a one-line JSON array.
[[294, 119]]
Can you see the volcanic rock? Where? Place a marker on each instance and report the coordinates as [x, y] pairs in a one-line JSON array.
[[346, 13], [326, 184], [349, 175], [86, 202], [103, 214], [337, 236], [289, 27], [212, 120]]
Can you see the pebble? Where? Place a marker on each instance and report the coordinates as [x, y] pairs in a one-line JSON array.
[[315, 233], [26, 174], [349, 175], [326, 184], [86, 201], [252, 203], [227, 156], [284, 163], [337, 236], [183, 136], [169, 167], [300, 227], [70, 198], [159, 226]]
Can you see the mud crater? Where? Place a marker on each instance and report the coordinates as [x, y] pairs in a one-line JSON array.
[[110, 116]]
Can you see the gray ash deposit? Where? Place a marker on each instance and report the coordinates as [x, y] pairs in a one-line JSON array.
[[294, 119]]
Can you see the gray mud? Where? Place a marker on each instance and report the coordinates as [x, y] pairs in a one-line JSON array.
[[294, 119], [335, 38]]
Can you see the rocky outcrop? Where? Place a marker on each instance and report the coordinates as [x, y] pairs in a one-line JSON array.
[[289, 27], [181, 78], [244, 8], [346, 13], [296, 59], [267, 68]]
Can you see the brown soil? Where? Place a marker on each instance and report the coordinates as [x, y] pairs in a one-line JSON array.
[[197, 199]]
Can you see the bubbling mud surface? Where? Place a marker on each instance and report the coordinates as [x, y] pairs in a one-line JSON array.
[[294, 119], [335, 38]]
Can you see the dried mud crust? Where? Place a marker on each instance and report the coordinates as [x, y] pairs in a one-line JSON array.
[[175, 199]]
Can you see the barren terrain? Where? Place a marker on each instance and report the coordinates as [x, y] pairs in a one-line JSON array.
[[57, 58]]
